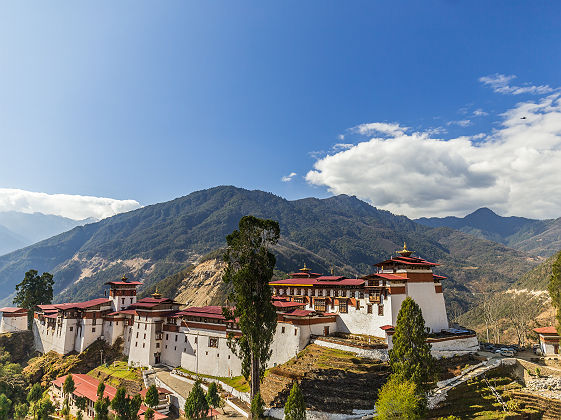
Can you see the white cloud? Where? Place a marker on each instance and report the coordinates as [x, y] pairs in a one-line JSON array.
[[288, 177], [342, 146], [513, 170], [382, 128], [480, 113], [500, 83], [460, 123], [341, 137], [72, 206]]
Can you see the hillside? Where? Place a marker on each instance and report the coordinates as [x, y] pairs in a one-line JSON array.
[[18, 229], [537, 237], [160, 240]]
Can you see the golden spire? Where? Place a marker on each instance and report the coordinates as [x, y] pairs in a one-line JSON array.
[[405, 252], [156, 295], [305, 269], [332, 269], [124, 278]]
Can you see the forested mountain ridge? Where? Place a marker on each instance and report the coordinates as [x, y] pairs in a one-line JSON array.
[[537, 237], [160, 240]]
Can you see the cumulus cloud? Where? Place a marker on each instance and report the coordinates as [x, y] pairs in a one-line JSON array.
[[513, 170], [288, 177], [480, 113], [460, 123], [500, 83], [72, 206], [381, 128]]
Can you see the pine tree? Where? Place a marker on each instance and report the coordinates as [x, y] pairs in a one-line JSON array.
[[100, 390], [554, 288], [101, 408], [410, 357], [68, 386], [257, 406], [250, 266], [196, 405], [295, 408], [212, 395], [125, 407], [5, 407], [152, 398], [149, 414], [32, 291], [398, 399]]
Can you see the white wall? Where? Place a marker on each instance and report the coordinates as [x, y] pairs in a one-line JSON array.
[[13, 323], [431, 303]]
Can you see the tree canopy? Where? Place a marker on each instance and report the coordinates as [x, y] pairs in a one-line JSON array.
[[68, 386], [34, 290], [398, 399], [250, 265], [212, 395], [410, 357], [152, 398], [295, 408], [125, 407], [5, 407], [196, 405], [554, 289]]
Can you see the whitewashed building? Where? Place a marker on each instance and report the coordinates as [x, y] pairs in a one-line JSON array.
[[156, 331], [13, 319]]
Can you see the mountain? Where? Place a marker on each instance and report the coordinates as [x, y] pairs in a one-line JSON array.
[[537, 237], [18, 229], [10, 241], [157, 241]]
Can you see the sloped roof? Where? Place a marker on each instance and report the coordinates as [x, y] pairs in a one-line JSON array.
[[546, 330], [12, 310]]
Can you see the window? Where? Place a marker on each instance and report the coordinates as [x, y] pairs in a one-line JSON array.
[[143, 345], [299, 299], [116, 322], [137, 334], [196, 339], [369, 309], [131, 301], [185, 338], [145, 336], [282, 330], [352, 293], [313, 292], [228, 357], [175, 337], [157, 345], [122, 301], [167, 336], [343, 306], [136, 343], [175, 347], [336, 293], [213, 342], [295, 331], [94, 321], [145, 327], [71, 328], [381, 310], [319, 305], [93, 329], [361, 295]]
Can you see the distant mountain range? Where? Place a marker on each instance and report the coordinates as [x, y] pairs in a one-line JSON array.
[[340, 232], [537, 237], [18, 230]]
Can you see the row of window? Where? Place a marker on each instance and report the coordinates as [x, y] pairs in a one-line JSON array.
[[320, 292]]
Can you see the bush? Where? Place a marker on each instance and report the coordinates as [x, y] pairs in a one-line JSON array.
[[398, 399], [257, 406]]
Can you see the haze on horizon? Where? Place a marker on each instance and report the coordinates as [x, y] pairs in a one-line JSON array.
[[425, 110]]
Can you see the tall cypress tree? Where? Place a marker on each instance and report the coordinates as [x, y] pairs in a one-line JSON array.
[[410, 357], [295, 408], [554, 288], [250, 266]]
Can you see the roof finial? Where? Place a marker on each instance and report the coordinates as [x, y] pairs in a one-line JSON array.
[[156, 295], [332, 269], [124, 278], [405, 252], [305, 269]]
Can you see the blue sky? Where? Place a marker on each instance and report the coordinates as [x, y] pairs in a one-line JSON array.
[[145, 101]]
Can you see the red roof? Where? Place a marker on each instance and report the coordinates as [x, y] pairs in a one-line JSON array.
[[318, 282], [388, 276], [86, 386], [121, 283], [546, 330], [203, 311], [434, 276], [406, 261], [299, 312], [386, 327], [83, 305], [11, 310], [282, 304]]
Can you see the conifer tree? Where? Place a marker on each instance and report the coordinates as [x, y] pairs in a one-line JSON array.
[[32, 291], [212, 395], [5, 407], [257, 406], [250, 265], [68, 386], [100, 390], [410, 357], [124, 406], [295, 408], [149, 414], [196, 405], [152, 398], [554, 288]]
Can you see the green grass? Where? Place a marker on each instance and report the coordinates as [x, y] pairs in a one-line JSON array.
[[116, 372], [237, 382]]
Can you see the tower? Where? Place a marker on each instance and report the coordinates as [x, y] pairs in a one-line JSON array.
[[122, 293]]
